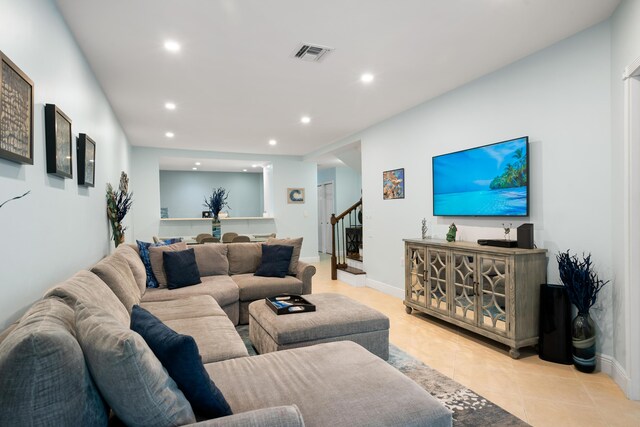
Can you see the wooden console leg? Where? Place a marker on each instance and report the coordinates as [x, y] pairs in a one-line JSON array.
[[514, 353], [408, 309]]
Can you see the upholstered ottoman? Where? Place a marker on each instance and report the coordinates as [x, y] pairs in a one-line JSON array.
[[337, 318]]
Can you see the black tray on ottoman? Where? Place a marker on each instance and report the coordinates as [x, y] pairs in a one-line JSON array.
[[289, 304]]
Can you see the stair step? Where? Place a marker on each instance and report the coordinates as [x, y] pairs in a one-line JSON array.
[[355, 257], [352, 270]]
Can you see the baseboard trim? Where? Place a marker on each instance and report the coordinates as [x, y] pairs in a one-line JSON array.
[[385, 288], [310, 259], [610, 366]]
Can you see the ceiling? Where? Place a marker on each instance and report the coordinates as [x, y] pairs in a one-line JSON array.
[[211, 165], [236, 83]]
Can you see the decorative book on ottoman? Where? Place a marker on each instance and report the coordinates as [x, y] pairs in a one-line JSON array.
[[288, 304]]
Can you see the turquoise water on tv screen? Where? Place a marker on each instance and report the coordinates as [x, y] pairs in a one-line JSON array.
[[486, 181], [506, 202]]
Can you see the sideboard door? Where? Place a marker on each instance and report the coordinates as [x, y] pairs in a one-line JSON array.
[[493, 300], [464, 306], [437, 273], [416, 271]]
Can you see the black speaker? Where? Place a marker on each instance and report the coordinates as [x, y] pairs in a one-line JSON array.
[[525, 236], [554, 342]]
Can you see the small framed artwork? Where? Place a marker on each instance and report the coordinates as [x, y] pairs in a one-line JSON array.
[[86, 161], [16, 113], [57, 129], [393, 184], [295, 195]]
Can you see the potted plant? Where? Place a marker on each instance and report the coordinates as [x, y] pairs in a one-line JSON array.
[[583, 286], [118, 204], [216, 202]]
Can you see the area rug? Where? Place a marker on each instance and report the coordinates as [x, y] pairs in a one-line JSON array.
[[469, 408]]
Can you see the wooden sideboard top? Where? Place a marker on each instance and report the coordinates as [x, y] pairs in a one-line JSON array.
[[473, 246]]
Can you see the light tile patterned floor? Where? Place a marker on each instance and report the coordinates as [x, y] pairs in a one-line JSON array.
[[539, 392]]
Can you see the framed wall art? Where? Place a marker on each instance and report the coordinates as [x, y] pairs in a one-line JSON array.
[[86, 161], [393, 184], [59, 142], [295, 195], [16, 113]]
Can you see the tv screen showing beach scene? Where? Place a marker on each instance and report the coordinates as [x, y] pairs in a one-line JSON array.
[[492, 180]]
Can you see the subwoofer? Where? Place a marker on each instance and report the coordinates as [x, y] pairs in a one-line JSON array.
[[525, 236]]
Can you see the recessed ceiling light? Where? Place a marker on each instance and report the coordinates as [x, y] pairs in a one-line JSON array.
[[244, 170], [272, 142], [305, 119], [169, 134], [195, 169], [172, 46], [197, 163], [170, 106], [366, 78], [254, 166]]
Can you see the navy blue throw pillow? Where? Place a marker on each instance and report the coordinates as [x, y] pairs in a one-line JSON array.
[[275, 261], [143, 249], [180, 357], [181, 268]]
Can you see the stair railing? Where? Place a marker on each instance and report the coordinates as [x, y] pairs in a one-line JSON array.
[[342, 245]]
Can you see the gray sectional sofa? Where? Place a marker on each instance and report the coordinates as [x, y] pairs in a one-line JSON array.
[[73, 360]]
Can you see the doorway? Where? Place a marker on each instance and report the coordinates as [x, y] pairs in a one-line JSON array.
[[325, 209]]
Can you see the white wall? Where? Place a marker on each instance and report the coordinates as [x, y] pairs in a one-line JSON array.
[[560, 98], [291, 220], [347, 186], [59, 228], [625, 39]]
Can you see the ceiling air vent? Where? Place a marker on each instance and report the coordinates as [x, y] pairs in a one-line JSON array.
[[311, 53]]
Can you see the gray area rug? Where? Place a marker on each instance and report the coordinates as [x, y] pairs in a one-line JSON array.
[[469, 408]]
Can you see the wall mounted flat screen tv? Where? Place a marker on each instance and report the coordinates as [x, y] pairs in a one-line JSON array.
[[492, 180]]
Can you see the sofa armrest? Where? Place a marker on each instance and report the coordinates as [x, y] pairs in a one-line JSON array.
[[280, 416], [305, 273]]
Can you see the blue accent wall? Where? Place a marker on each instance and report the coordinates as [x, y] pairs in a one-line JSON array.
[[183, 192]]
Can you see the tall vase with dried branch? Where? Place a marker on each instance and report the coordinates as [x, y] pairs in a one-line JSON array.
[[582, 284], [118, 204], [216, 202]]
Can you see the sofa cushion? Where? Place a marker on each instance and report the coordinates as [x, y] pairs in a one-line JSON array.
[[216, 337], [244, 257], [115, 272], [181, 268], [85, 286], [297, 248], [253, 287], [212, 259], [143, 250], [184, 308], [157, 261], [179, 355], [129, 376], [275, 261], [135, 264], [222, 288], [44, 379], [333, 384]]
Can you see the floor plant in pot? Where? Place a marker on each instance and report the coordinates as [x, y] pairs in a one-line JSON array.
[[583, 286], [216, 202]]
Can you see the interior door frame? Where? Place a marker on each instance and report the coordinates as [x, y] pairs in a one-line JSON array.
[[327, 234]]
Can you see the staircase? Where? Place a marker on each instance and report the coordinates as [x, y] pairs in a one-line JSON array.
[[346, 246]]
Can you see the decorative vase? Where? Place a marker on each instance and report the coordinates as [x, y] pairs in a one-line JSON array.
[[583, 337], [215, 226]]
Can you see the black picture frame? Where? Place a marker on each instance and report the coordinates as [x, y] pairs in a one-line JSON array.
[[86, 160], [59, 142], [393, 184], [16, 113]]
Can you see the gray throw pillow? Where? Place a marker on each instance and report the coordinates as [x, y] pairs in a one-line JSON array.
[[129, 376], [212, 259], [297, 247]]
